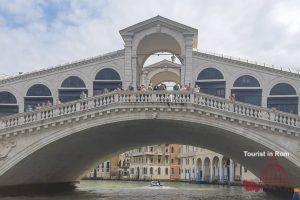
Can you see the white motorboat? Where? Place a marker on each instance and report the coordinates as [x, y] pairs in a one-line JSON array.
[[156, 184]]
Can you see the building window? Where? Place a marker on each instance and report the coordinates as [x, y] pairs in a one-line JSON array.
[[246, 81], [106, 79], [283, 97], [159, 171], [172, 171], [151, 149], [151, 170], [172, 149], [166, 171], [37, 95], [8, 104], [247, 89], [107, 166], [145, 170], [211, 81], [172, 160], [71, 89]]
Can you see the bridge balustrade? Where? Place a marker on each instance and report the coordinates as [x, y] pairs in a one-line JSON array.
[[169, 97]]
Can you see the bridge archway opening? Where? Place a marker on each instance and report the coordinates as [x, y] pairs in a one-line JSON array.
[[199, 169], [207, 168], [156, 47], [216, 167], [58, 155]]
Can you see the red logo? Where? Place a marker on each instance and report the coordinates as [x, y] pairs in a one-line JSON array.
[[273, 174]]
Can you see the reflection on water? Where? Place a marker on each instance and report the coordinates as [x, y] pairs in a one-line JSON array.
[[111, 190]]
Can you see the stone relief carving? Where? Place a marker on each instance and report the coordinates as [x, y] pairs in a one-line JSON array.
[[6, 147]]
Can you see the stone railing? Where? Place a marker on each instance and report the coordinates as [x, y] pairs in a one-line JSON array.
[[160, 97]]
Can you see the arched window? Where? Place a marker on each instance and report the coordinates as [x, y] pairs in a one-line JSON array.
[[107, 79], [172, 149], [167, 171], [107, 74], [73, 82], [246, 81], [247, 89], [145, 170], [71, 89], [210, 73], [8, 104], [283, 97], [283, 89], [159, 171], [151, 170], [38, 90], [36, 96], [211, 81]]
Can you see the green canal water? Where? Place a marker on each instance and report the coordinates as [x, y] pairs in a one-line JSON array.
[[112, 190]]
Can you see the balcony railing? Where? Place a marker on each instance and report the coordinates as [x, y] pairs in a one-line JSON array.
[[159, 97]]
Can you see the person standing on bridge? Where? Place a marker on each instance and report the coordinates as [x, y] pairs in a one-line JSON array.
[[196, 89], [176, 87]]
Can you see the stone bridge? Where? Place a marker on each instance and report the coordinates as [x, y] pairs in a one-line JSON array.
[[58, 144]]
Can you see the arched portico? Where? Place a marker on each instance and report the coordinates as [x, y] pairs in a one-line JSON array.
[[199, 170], [157, 34], [163, 71]]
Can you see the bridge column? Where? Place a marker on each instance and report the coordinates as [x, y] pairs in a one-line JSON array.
[[231, 171], [129, 75], [188, 77], [221, 169], [202, 167], [211, 172], [21, 105]]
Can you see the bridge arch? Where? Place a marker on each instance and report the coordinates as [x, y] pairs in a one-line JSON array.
[[95, 139], [92, 134], [150, 42], [157, 42]]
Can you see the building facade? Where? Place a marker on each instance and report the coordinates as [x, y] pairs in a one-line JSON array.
[[150, 162], [172, 162], [202, 165], [105, 170]]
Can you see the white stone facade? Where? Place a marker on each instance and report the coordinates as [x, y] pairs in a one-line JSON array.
[[198, 164]]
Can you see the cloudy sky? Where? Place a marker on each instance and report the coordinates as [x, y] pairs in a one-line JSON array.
[[36, 34]]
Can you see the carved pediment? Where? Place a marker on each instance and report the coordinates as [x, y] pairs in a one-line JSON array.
[[157, 22]]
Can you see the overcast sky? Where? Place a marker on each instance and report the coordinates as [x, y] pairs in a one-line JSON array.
[[36, 34]]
